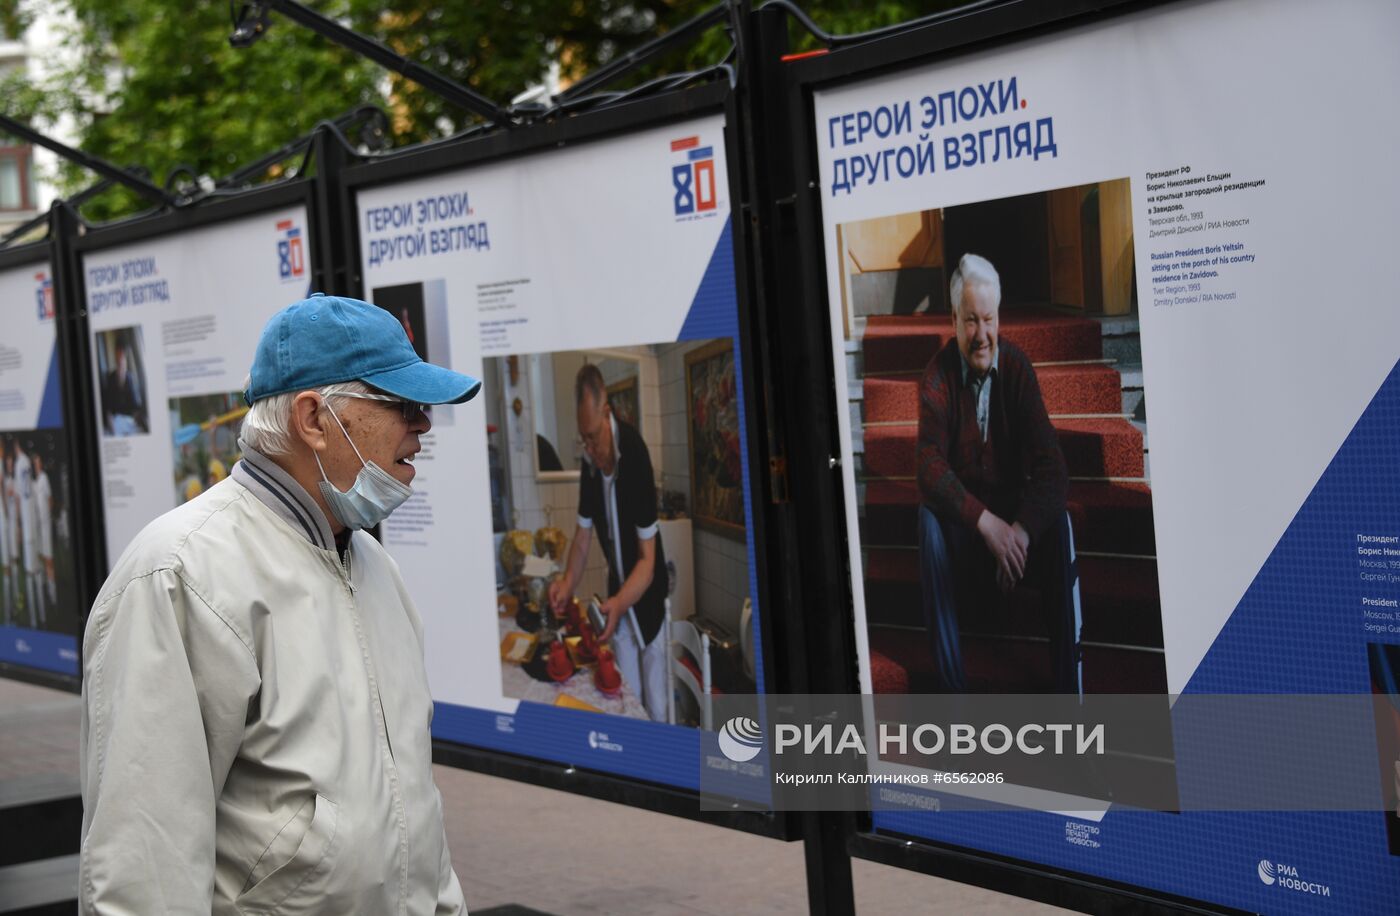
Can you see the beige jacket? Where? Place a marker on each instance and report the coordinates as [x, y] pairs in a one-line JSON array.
[[255, 731]]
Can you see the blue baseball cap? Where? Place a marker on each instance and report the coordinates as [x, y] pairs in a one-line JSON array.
[[324, 340]]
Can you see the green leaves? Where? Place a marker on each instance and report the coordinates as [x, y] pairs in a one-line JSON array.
[[154, 83]]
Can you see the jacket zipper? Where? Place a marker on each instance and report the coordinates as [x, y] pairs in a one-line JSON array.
[[383, 725], [345, 571]]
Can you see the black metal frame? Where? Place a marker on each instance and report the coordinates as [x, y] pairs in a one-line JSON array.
[[815, 656], [952, 35], [46, 219], [651, 796], [1029, 880], [101, 166], [630, 60], [548, 133], [203, 213], [253, 21], [552, 134], [41, 677]]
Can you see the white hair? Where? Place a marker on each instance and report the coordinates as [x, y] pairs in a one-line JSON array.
[[978, 272], [267, 425]]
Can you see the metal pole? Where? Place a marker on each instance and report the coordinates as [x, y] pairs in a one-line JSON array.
[[257, 167], [332, 260], [79, 408], [76, 201], [811, 658], [100, 166], [447, 88], [646, 52]]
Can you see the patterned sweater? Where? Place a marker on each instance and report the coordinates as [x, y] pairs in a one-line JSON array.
[[1018, 473]]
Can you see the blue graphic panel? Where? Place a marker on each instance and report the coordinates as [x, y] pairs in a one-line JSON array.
[[713, 311], [39, 649], [651, 751], [51, 407], [1298, 629]]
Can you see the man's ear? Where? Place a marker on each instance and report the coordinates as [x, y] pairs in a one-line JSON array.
[[306, 421]]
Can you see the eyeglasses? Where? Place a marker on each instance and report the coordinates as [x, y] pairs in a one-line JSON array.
[[409, 409]]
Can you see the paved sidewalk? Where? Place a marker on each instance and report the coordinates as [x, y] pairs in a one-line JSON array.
[[564, 854], [513, 843], [38, 731]]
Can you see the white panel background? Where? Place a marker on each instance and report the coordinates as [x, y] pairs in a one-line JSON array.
[[229, 271], [1249, 399], [594, 230], [22, 329]]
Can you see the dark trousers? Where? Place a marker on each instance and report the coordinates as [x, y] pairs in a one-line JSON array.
[[957, 571]]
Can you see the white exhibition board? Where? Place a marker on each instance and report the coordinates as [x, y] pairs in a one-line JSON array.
[[1224, 377], [611, 249], [182, 312], [28, 348], [39, 614], [1255, 141]]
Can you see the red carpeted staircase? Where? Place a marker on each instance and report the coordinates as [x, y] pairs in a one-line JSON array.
[[1110, 505]]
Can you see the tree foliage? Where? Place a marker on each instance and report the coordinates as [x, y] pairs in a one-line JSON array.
[[155, 84]]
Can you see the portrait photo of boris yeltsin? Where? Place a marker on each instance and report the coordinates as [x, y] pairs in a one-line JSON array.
[[998, 413]]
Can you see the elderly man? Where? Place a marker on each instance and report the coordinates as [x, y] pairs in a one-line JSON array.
[[617, 499], [993, 484], [255, 733], [120, 398]]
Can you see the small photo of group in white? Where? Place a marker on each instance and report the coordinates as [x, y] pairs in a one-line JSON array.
[[34, 532]]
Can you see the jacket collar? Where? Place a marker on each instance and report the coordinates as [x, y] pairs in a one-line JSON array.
[[283, 495]]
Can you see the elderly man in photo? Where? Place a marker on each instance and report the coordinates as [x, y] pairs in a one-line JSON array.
[[993, 485], [120, 397], [255, 734], [617, 499]]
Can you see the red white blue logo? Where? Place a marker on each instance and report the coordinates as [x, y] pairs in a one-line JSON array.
[[693, 180], [291, 254], [43, 295]]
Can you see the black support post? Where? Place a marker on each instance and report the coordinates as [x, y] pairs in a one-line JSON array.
[[812, 626], [101, 166], [333, 218], [79, 407]]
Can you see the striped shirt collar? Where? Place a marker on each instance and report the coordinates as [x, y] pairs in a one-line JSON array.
[[283, 495]]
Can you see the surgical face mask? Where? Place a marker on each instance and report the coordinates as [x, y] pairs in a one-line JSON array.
[[372, 496]]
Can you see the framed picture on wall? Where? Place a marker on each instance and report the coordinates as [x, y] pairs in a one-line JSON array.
[[622, 395], [712, 415]]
